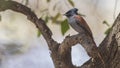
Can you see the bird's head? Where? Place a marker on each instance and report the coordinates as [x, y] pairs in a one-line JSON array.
[[71, 12]]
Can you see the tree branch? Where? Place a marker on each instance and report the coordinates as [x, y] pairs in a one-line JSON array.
[[61, 53], [5, 5], [40, 24], [61, 58], [109, 48]]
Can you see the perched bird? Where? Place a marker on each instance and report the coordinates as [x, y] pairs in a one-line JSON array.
[[80, 25], [77, 22]]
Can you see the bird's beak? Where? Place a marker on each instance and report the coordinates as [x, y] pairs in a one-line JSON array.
[[65, 14]]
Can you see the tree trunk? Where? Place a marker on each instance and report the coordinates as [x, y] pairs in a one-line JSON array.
[[61, 52], [110, 48]]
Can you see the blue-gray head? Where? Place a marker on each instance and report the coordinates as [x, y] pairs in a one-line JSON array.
[[71, 12]]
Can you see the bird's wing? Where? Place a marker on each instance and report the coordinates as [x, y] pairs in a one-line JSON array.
[[83, 24]]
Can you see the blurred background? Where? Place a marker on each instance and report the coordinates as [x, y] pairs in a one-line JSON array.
[[22, 45]]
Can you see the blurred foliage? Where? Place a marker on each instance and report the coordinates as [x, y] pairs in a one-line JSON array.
[[106, 23], [48, 0], [54, 6], [64, 26], [13, 48], [109, 29], [46, 19], [38, 33], [55, 18], [46, 15], [27, 1], [71, 2], [0, 18]]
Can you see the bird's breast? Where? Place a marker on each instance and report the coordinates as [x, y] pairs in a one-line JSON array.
[[72, 21]]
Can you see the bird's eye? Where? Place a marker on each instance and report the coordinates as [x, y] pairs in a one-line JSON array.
[[76, 9]]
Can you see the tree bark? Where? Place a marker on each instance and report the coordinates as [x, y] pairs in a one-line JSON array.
[[61, 52], [110, 48]]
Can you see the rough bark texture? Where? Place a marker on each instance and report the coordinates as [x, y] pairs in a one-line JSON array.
[[61, 52], [110, 48]]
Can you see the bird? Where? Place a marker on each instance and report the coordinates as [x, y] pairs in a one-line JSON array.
[[79, 24]]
